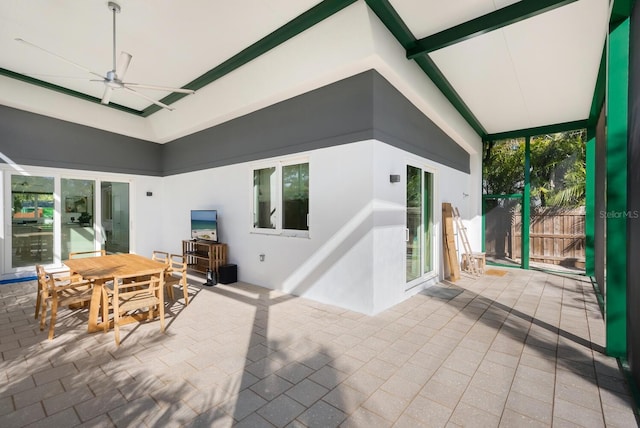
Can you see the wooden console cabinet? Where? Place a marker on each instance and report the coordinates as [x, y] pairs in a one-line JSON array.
[[201, 255]]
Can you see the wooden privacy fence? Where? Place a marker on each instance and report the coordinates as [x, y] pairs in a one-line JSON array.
[[557, 236]]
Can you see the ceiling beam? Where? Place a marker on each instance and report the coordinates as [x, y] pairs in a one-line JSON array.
[[621, 10], [66, 91], [539, 130], [597, 102], [302, 22], [437, 77], [390, 18], [492, 21]]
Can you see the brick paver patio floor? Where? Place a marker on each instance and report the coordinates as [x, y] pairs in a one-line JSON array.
[[521, 349]]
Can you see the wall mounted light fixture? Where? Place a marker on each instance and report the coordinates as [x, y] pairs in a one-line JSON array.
[[394, 178]]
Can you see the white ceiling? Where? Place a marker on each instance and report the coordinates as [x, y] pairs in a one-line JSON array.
[[172, 42], [536, 72]]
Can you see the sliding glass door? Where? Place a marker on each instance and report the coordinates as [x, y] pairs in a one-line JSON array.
[[78, 212], [52, 216], [419, 228], [32, 225], [115, 216]]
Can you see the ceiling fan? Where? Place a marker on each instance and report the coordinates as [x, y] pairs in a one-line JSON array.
[[113, 80]]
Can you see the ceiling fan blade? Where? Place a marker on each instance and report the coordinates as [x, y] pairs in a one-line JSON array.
[[159, 88], [59, 57], [123, 64], [149, 99], [107, 95], [54, 76]]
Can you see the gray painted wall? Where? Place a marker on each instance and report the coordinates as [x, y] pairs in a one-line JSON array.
[[633, 201], [361, 107], [399, 123], [335, 114], [364, 106], [31, 139]]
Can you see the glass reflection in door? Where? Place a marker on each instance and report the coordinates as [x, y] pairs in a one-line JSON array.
[[115, 216], [32, 226], [78, 215], [414, 222], [419, 254]]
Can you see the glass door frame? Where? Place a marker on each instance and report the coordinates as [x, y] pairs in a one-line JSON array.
[[71, 222], [435, 225], [8, 170]]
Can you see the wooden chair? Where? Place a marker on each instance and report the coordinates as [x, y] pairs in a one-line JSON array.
[[62, 289], [43, 283], [129, 294], [177, 274], [160, 256], [94, 253]]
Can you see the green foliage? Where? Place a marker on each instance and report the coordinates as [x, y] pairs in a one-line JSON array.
[[558, 168], [503, 167]]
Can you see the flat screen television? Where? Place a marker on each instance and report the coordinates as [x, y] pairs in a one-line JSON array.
[[204, 225]]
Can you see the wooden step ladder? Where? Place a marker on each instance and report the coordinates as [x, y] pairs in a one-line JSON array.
[[473, 263]]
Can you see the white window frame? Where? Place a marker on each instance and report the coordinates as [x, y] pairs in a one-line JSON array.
[[277, 194]]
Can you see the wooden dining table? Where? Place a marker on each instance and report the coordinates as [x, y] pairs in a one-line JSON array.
[[104, 268]]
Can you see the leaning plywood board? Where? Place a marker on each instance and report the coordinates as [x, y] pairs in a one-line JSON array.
[[450, 253]]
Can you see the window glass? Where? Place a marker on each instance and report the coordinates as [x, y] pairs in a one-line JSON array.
[[414, 222], [31, 220], [115, 216], [77, 216], [295, 196], [419, 223], [427, 222], [264, 196]]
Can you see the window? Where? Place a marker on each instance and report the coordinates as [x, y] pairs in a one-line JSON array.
[[281, 197], [295, 196], [32, 225], [264, 195]]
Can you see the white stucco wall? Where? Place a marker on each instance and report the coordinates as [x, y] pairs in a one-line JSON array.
[[449, 185], [338, 250], [354, 256]]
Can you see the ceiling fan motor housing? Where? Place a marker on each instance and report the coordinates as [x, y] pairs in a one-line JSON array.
[[113, 6]]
